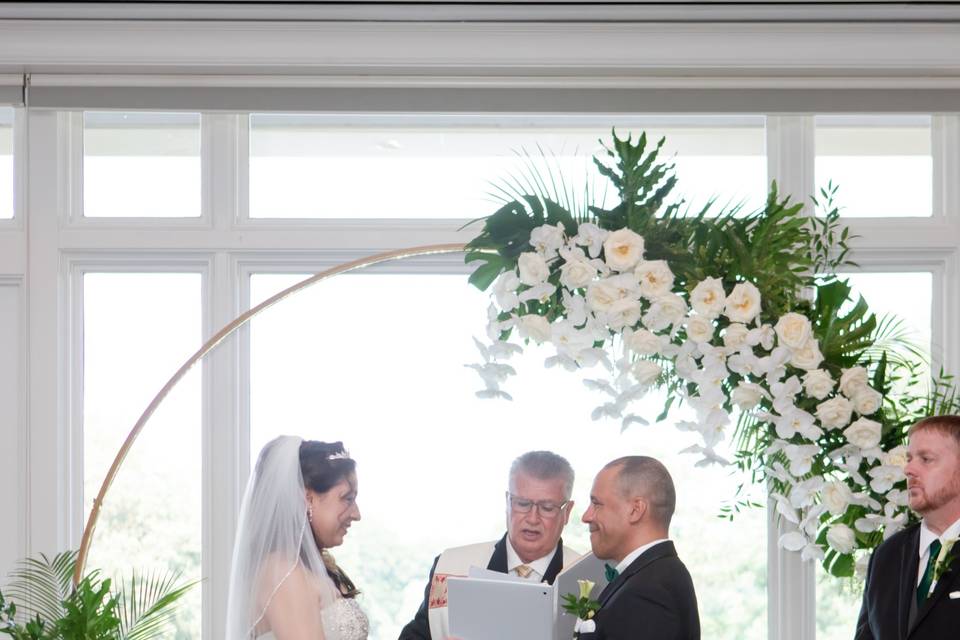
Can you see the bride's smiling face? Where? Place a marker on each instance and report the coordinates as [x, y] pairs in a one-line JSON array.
[[332, 512]]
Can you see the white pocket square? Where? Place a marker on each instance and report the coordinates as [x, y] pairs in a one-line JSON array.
[[955, 595]]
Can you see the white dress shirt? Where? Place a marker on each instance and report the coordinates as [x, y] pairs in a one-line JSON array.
[[926, 539], [539, 566], [633, 555]]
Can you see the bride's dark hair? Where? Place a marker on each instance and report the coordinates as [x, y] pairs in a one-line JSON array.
[[323, 466]]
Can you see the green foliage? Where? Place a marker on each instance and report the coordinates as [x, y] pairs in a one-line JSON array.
[[52, 608], [793, 258]]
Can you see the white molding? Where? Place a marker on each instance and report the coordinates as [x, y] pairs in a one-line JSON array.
[[16, 529], [577, 48], [486, 10], [13, 252], [49, 442]]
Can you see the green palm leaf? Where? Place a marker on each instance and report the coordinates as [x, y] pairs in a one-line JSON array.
[[40, 585], [146, 607]]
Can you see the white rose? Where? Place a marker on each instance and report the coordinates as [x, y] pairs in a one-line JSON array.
[[708, 297], [863, 433], [852, 380], [546, 239], [533, 268], [896, 457], [623, 313], [834, 413], [735, 335], [623, 249], [699, 329], [793, 330], [841, 538], [836, 497], [747, 395], [577, 274], [665, 311], [818, 383], [655, 278], [743, 303], [646, 371], [807, 357], [601, 294], [866, 401], [643, 342], [535, 327]]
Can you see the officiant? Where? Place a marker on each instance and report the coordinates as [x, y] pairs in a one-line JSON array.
[[538, 505]]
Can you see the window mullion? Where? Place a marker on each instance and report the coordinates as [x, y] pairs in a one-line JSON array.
[[223, 474], [791, 593]]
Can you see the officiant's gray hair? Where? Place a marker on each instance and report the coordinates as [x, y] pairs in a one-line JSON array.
[[647, 477], [544, 465]]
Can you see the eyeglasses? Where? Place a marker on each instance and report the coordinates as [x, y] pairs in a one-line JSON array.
[[546, 508]]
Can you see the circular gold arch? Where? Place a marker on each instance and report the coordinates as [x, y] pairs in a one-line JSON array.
[[208, 346]]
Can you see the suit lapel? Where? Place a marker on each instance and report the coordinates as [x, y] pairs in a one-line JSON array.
[[556, 564], [946, 583], [498, 561], [654, 553], [909, 565]]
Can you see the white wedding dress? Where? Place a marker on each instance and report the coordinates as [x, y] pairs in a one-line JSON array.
[[342, 620]]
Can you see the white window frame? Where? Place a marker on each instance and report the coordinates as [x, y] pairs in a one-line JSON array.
[[45, 246]]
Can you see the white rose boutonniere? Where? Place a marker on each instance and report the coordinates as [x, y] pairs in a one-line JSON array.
[[945, 558], [623, 249]]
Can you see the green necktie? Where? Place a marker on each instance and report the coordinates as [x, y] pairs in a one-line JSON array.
[[610, 572], [923, 590]]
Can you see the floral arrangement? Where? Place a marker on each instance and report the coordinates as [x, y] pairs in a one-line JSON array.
[[740, 316]]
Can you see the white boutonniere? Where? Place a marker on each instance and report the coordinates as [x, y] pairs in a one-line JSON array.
[[584, 626], [944, 559], [582, 607]]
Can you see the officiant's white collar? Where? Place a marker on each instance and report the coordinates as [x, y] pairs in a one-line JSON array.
[[636, 554], [540, 565]]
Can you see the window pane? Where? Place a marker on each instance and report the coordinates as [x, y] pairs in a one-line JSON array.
[[882, 164], [141, 165], [6, 163], [433, 459], [138, 329], [910, 296], [301, 166]]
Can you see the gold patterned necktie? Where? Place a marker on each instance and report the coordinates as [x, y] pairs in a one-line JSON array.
[[523, 570]]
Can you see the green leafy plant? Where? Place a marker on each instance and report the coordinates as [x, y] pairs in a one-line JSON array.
[[51, 607]]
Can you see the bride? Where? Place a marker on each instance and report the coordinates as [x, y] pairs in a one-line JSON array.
[[284, 585]]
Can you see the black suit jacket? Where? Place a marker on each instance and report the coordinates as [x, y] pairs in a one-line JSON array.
[[892, 586], [419, 627], [653, 599]]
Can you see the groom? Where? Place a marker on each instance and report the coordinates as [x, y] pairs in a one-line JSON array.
[[538, 506], [650, 594]]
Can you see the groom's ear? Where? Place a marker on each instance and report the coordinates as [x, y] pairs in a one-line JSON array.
[[638, 509]]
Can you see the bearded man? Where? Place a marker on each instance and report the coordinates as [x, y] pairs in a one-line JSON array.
[[913, 579]]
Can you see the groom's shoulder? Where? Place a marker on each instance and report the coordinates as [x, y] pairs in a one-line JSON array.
[[897, 541]]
